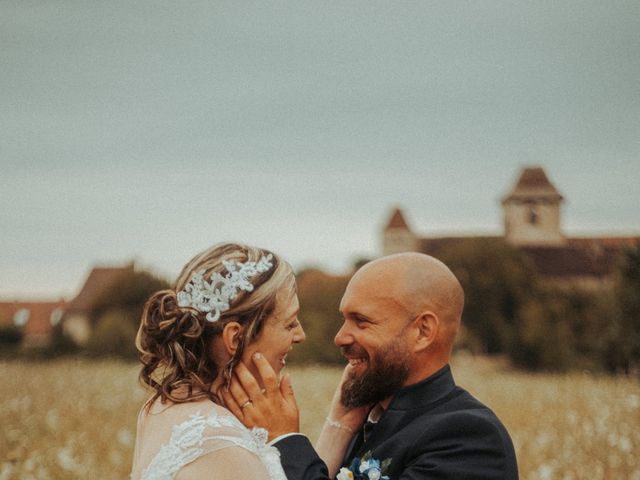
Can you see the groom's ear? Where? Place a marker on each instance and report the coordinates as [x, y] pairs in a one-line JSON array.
[[426, 326], [231, 337]]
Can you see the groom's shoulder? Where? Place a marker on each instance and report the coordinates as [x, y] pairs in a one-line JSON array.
[[463, 408], [465, 417], [463, 424]]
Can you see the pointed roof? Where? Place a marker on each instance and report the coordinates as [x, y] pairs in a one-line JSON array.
[[397, 221], [533, 183], [99, 280]]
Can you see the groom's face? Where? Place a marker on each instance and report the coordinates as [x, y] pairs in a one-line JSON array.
[[373, 338]]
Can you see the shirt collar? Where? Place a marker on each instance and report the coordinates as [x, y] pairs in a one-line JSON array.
[[425, 392], [375, 414]]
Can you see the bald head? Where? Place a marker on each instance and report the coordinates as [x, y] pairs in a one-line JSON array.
[[418, 282]]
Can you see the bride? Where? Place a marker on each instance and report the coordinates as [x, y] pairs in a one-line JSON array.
[[230, 302]]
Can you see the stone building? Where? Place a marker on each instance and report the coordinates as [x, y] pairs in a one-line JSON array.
[[37, 320], [533, 224]]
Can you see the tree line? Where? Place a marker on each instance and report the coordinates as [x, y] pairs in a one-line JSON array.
[[509, 311]]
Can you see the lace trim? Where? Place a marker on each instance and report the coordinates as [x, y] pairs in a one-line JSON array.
[[188, 442]]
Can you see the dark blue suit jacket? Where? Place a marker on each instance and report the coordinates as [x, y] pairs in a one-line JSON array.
[[431, 430]]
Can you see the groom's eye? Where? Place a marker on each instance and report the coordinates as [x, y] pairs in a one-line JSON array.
[[292, 325], [362, 322]]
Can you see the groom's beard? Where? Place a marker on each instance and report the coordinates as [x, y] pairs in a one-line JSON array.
[[386, 373]]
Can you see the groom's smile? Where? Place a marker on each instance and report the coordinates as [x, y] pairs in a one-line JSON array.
[[357, 357], [356, 361]]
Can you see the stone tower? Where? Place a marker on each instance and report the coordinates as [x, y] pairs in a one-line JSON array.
[[532, 211], [397, 236]]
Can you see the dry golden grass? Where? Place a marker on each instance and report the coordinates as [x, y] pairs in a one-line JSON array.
[[72, 419]]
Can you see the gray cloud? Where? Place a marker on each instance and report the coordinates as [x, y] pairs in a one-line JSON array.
[[152, 129]]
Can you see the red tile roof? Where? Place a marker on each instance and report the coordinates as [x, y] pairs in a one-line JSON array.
[[569, 261], [99, 280], [533, 183], [580, 257], [397, 220], [609, 242]]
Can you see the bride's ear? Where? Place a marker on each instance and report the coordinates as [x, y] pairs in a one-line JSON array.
[[231, 336]]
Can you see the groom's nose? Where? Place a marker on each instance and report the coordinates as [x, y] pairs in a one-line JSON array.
[[343, 337]]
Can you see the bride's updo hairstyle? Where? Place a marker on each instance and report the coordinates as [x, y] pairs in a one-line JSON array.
[[175, 343]]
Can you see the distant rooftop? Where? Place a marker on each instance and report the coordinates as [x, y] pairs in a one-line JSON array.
[[397, 221], [533, 182], [100, 279]]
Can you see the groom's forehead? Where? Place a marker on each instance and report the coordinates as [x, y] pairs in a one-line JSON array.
[[369, 302]]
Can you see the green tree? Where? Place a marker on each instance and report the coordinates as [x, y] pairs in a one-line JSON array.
[[623, 350], [498, 282], [10, 337], [113, 335], [320, 296], [116, 314], [559, 329]]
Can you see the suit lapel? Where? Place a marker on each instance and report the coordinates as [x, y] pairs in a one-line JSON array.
[[407, 400], [355, 444]]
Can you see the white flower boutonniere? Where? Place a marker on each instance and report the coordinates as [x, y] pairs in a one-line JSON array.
[[365, 468], [345, 474]]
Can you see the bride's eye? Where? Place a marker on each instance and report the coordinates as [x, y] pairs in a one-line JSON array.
[[293, 325]]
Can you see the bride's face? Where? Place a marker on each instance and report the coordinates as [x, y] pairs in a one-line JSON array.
[[280, 331]]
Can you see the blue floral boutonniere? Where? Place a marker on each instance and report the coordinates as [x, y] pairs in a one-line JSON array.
[[365, 468]]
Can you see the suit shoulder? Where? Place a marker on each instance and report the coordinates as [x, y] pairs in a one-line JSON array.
[[462, 441], [469, 420], [469, 408], [466, 418]]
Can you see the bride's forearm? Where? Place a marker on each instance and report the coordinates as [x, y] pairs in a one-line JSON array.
[[332, 444]]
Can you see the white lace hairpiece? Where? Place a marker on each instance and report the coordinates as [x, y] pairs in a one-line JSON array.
[[214, 297]]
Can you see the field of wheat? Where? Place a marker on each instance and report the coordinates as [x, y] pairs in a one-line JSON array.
[[71, 419]]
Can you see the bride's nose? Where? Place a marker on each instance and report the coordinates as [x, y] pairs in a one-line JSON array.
[[299, 336]]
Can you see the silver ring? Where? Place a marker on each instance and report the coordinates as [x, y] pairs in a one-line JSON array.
[[246, 404]]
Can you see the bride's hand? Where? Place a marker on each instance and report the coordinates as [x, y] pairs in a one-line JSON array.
[[273, 408], [348, 418], [341, 425]]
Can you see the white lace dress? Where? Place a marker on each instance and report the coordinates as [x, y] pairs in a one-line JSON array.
[[207, 443]]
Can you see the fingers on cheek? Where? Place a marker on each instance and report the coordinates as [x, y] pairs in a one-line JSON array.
[[238, 393]]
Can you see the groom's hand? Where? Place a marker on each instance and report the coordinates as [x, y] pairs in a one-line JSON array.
[[273, 408]]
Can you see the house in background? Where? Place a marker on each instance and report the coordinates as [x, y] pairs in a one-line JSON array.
[[77, 322], [532, 224], [36, 320]]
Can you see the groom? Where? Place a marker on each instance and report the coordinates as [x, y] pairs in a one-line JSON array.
[[401, 316]]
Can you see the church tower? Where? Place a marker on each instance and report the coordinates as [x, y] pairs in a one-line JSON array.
[[397, 237], [532, 211]]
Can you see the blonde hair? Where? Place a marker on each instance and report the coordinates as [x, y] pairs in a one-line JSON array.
[[174, 342]]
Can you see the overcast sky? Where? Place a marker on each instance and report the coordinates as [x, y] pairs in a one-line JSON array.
[[153, 129]]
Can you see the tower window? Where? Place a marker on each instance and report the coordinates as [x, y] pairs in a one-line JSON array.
[[533, 216]]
